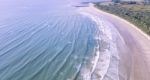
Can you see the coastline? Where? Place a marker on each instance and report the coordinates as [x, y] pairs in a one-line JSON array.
[[135, 61], [107, 57], [124, 20], [135, 14]]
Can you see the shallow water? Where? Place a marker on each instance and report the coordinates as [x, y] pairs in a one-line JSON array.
[[50, 40]]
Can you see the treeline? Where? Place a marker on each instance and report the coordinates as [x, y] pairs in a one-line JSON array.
[[136, 15]]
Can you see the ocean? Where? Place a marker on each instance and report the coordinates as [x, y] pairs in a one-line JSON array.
[[53, 40]]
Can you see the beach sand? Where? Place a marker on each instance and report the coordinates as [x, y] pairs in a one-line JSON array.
[[133, 46]]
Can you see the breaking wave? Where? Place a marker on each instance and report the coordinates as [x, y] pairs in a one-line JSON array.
[[103, 65], [56, 45]]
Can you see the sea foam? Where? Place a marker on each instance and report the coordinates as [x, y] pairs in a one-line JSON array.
[[105, 59]]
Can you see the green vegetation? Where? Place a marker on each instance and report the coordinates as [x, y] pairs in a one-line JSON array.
[[137, 14]]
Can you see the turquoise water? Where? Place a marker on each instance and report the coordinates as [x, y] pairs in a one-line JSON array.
[[39, 41], [45, 48], [55, 40]]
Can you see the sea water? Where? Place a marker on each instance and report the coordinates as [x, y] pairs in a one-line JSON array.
[[53, 40]]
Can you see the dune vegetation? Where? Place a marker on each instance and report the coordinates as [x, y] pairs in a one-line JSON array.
[[138, 14]]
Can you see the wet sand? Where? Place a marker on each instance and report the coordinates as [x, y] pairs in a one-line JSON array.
[[133, 46]]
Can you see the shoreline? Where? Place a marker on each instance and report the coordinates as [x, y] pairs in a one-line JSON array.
[[107, 49], [124, 20], [136, 60], [135, 15]]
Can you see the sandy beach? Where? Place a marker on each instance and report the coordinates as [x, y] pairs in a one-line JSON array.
[[133, 46], [56, 40]]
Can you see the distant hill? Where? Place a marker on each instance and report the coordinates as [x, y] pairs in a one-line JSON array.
[[131, 0], [145, 1]]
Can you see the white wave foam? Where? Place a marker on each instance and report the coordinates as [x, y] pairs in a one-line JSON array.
[[104, 63]]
